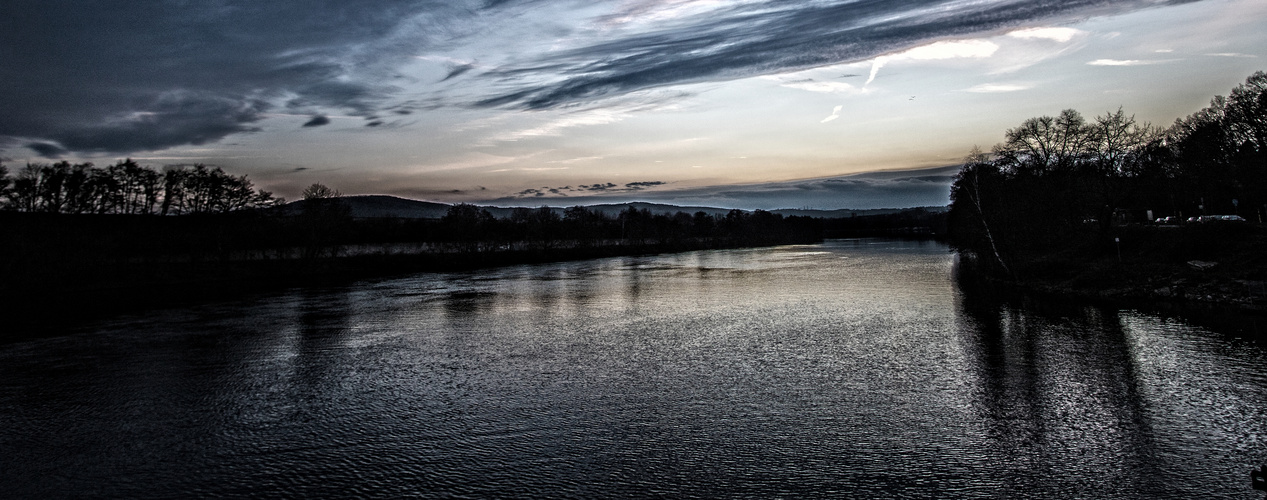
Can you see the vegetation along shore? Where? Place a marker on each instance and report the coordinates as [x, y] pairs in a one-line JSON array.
[[1115, 209]]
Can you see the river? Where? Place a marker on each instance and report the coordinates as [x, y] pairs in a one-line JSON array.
[[851, 369]]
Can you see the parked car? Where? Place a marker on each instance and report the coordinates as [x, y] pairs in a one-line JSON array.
[[1168, 220], [1207, 219]]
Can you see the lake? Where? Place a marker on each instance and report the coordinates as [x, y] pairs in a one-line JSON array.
[[852, 368]]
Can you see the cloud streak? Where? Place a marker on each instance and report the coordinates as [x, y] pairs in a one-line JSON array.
[[835, 113], [768, 37], [1125, 62]]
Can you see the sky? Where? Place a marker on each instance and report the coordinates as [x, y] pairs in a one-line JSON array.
[[739, 104]]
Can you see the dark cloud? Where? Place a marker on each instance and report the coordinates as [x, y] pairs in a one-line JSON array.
[[568, 191], [755, 38], [173, 119], [317, 121], [47, 150], [597, 187], [457, 70], [129, 75]]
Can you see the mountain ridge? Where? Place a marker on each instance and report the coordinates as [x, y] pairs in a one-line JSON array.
[[389, 206]]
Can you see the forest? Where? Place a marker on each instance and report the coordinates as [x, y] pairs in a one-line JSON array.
[[1063, 192]]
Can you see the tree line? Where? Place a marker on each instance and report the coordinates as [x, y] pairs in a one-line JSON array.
[[1057, 182], [128, 188], [545, 228]]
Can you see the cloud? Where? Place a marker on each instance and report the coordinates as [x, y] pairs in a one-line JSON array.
[[457, 70], [317, 121], [835, 113], [171, 119], [597, 187], [937, 51], [1231, 54], [1061, 35], [994, 88], [590, 189], [825, 87], [1125, 62], [576, 160], [47, 150]]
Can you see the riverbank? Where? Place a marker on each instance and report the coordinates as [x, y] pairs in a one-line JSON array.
[[1201, 272]]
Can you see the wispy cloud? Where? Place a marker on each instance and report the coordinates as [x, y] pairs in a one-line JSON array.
[[1061, 35], [937, 51], [614, 111], [835, 113], [825, 87], [994, 88], [576, 160], [1127, 62], [529, 169]]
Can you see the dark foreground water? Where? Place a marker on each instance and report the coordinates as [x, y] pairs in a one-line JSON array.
[[853, 369]]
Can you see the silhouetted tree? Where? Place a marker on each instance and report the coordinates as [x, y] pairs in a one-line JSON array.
[[1059, 182], [5, 186], [468, 225], [318, 191], [325, 218], [1045, 144]]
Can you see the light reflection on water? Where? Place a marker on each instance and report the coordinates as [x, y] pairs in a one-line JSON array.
[[853, 368]]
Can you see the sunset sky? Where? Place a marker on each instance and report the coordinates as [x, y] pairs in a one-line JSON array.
[[740, 103]]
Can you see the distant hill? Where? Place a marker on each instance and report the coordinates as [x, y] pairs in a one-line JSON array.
[[375, 206], [614, 209], [846, 213]]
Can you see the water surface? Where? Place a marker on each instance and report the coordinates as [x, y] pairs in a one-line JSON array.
[[854, 368]]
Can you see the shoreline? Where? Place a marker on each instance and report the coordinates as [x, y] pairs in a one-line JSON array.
[[51, 309], [1204, 297]]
